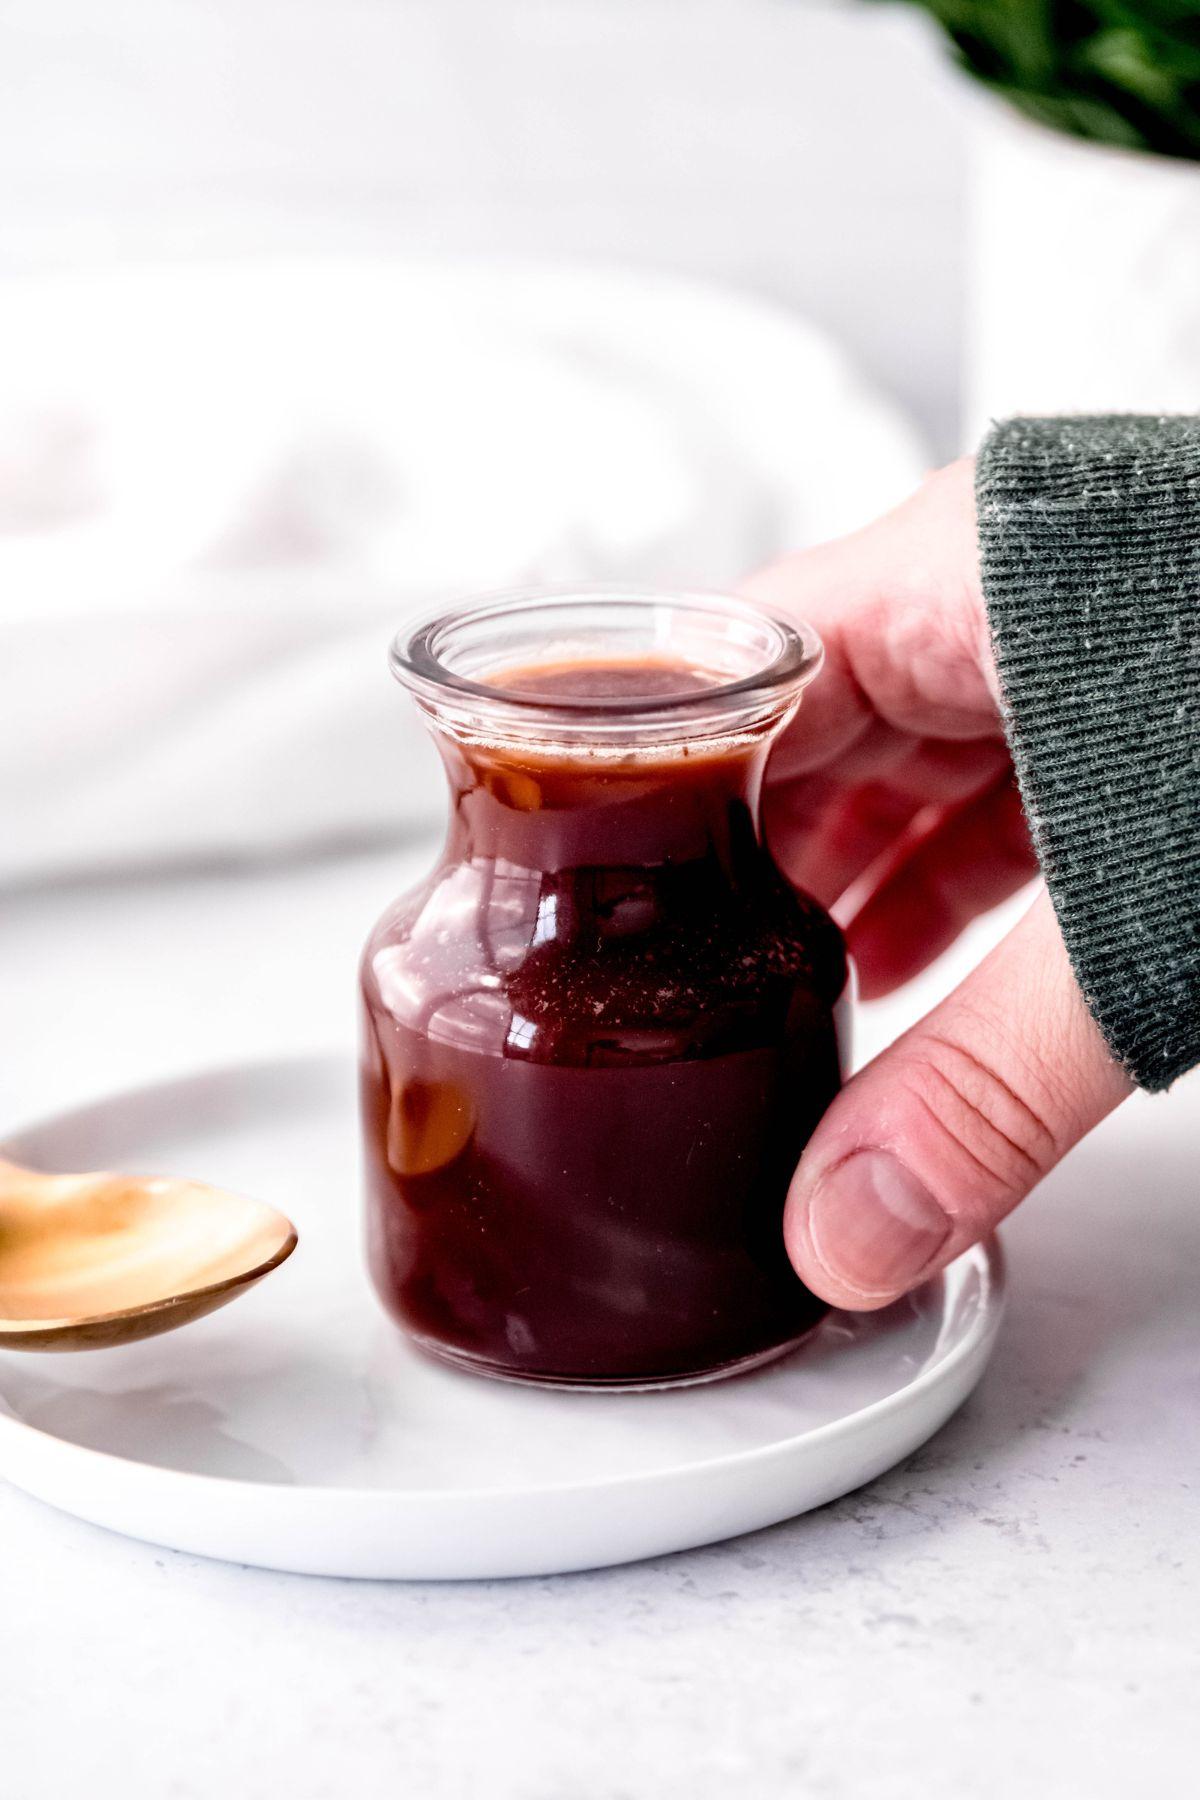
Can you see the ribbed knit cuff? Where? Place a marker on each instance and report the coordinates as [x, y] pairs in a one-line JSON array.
[[1089, 535]]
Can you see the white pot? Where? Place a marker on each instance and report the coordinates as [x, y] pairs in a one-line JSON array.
[[1084, 278]]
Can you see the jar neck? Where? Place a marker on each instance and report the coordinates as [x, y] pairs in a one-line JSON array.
[[535, 810]]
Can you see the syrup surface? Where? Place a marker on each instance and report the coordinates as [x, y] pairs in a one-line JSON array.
[[634, 678]]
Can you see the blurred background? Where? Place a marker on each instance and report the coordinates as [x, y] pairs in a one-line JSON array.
[[312, 315]]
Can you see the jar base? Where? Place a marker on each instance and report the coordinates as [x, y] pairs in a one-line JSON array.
[[600, 1384]]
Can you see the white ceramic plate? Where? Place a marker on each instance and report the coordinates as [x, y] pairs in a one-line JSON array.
[[296, 1429]]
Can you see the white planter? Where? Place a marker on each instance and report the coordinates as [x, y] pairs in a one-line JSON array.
[[1084, 285]]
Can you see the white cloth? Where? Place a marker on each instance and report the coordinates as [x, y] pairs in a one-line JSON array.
[[222, 487]]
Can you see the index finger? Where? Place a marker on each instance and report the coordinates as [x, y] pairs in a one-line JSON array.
[[900, 610]]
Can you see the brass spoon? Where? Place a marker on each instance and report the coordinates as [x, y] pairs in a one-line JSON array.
[[88, 1261]]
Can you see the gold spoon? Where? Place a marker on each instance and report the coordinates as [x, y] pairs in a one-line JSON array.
[[87, 1261]]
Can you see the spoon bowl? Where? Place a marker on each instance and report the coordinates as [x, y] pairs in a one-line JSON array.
[[89, 1261]]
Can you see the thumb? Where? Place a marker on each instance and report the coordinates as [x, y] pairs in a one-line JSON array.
[[928, 1147]]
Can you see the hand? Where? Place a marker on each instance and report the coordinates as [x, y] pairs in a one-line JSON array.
[[892, 799]]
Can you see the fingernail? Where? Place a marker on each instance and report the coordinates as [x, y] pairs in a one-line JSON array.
[[873, 1225]]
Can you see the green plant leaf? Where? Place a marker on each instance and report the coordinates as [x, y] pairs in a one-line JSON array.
[[1123, 72], [1078, 116], [1121, 56]]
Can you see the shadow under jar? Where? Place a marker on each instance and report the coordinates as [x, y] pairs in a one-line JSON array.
[[597, 1038]]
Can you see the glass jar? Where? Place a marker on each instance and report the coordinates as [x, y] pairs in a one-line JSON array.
[[597, 1038]]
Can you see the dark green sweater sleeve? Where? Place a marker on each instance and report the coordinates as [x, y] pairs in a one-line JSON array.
[[1089, 535]]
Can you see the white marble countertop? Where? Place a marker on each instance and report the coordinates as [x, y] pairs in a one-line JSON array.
[[1011, 1611]]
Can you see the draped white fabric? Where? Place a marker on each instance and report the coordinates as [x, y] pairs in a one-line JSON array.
[[223, 486]]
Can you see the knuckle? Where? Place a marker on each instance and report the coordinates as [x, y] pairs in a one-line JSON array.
[[1002, 1124], [918, 643]]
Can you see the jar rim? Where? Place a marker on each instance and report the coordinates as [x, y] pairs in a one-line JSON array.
[[793, 655]]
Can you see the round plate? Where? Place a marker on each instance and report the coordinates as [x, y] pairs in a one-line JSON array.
[[297, 1429]]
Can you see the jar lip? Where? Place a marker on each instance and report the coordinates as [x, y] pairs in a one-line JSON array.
[[417, 657]]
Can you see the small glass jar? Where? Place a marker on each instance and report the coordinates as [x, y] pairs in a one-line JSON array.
[[597, 1038]]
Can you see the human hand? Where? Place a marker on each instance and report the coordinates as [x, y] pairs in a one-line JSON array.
[[892, 798]]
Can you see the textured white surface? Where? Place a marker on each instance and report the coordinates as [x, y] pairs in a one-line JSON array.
[[1011, 1611]]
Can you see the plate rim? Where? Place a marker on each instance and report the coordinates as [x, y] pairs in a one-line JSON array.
[[989, 1255]]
